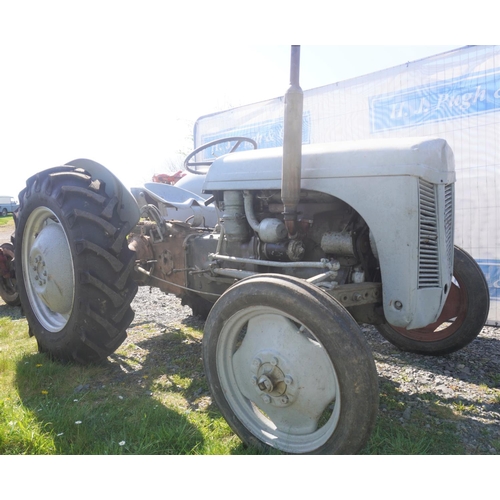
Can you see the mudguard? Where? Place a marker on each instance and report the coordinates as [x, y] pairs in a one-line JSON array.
[[127, 206]]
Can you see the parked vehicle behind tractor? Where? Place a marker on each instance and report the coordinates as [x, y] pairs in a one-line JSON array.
[[8, 205]]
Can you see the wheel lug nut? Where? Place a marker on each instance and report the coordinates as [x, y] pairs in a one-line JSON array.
[[266, 398], [274, 361], [284, 399], [254, 380], [265, 384], [288, 380], [256, 362]]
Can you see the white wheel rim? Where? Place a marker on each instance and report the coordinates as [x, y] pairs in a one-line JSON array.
[[48, 269], [279, 381]]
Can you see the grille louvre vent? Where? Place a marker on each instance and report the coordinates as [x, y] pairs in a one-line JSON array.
[[428, 269], [448, 224]]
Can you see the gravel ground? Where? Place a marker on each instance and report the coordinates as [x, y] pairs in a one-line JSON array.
[[5, 232], [465, 386]]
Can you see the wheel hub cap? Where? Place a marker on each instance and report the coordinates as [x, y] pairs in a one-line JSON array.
[[273, 380], [50, 269], [291, 380]]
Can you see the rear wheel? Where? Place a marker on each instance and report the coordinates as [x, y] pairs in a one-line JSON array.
[[462, 319], [4, 212], [73, 266], [8, 289], [200, 307], [289, 368]]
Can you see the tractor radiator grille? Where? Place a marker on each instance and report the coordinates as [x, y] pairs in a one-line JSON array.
[[448, 224], [428, 251]]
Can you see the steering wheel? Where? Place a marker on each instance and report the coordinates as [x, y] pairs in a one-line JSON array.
[[189, 164]]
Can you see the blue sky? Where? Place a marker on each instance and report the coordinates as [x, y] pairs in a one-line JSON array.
[[133, 113], [122, 84]]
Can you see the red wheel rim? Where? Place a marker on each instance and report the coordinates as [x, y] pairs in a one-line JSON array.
[[450, 320]]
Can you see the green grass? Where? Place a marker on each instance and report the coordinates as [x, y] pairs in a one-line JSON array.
[[418, 436], [151, 398], [8, 220], [51, 408]]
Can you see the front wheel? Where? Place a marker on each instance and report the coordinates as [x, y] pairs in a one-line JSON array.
[[289, 368], [73, 266], [462, 319]]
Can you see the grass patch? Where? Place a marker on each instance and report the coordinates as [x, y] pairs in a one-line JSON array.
[[7, 221], [429, 432], [151, 398], [125, 406], [393, 438]]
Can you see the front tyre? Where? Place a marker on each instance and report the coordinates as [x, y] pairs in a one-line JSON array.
[[73, 266], [289, 368], [462, 319]]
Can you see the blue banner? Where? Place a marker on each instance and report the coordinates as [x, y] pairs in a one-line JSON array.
[[491, 270], [457, 98], [266, 134]]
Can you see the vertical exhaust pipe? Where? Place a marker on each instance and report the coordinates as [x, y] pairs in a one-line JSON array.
[[292, 146]]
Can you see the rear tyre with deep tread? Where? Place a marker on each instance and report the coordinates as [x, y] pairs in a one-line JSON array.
[[199, 306], [8, 288], [73, 266]]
